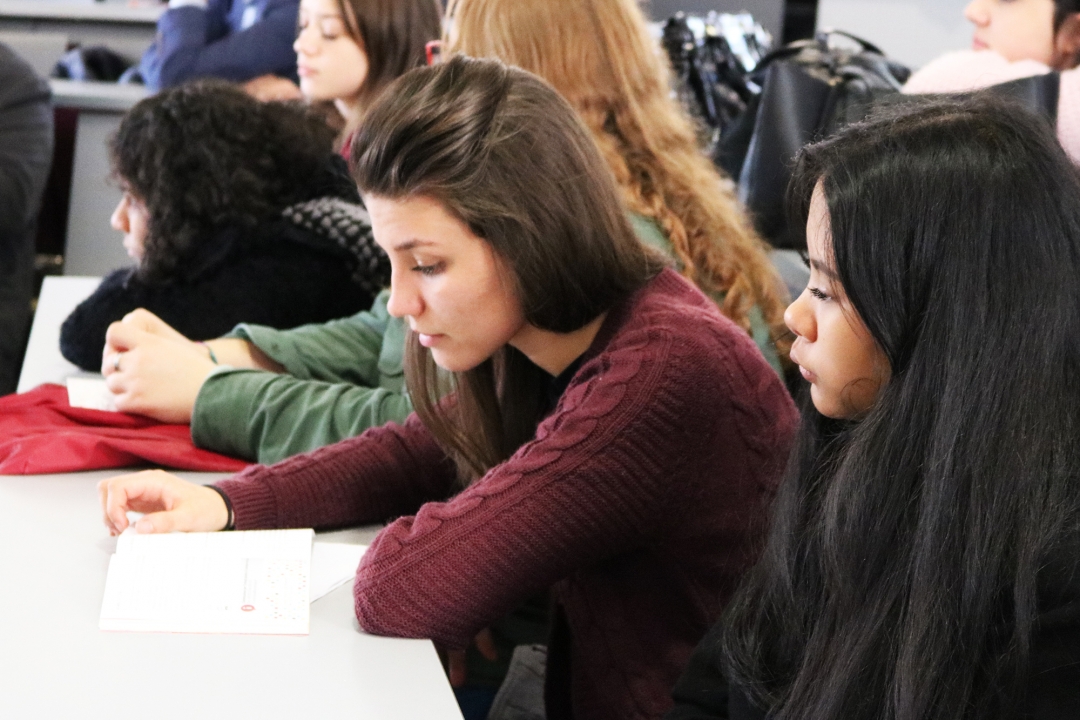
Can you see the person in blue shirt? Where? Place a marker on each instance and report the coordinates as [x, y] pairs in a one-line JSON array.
[[235, 40]]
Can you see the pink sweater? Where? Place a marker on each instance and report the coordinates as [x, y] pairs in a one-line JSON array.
[[639, 502], [967, 70]]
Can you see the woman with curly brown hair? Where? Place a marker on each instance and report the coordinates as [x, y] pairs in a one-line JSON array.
[[599, 56], [234, 211]]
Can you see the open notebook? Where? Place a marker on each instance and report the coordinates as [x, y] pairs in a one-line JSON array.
[[260, 581]]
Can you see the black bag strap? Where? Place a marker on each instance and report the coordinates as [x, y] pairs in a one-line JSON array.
[[820, 42], [1038, 92]]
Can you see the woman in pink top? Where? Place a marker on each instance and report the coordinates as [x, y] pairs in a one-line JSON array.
[[1015, 39], [611, 436]]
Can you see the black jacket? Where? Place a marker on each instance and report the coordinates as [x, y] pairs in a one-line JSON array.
[[26, 145], [280, 274]]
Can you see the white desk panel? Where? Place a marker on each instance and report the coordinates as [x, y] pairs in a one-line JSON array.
[[43, 362], [111, 11], [54, 553]]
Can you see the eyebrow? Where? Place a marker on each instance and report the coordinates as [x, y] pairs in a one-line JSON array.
[[412, 245], [824, 269]]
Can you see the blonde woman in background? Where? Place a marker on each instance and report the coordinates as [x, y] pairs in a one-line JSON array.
[[598, 54]]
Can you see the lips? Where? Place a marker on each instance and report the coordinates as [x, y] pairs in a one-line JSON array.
[[428, 340], [977, 44], [809, 376]]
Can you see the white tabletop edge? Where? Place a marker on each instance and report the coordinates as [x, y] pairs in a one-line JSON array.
[[111, 12]]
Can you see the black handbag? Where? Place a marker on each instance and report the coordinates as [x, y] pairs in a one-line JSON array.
[[712, 57], [810, 89]]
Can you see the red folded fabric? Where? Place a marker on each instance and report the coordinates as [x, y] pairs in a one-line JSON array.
[[41, 433]]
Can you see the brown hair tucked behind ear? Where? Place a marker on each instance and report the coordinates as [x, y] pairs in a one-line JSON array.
[[393, 34], [598, 55], [509, 157]]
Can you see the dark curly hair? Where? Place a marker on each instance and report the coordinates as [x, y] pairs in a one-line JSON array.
[[206, 155]]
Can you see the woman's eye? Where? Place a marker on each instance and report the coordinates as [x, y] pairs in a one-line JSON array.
[[432, 269], [818, 293], [330, 30]]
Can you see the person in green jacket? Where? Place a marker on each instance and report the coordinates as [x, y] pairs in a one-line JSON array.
[[334, 381], [264, 394]]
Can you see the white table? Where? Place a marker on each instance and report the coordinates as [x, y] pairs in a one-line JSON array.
[[123, 27], [55, 663], [43, 361]]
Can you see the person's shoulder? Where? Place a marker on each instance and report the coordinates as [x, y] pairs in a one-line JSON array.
[[18, 81], [967, 70], [673, 318], [673, 304]]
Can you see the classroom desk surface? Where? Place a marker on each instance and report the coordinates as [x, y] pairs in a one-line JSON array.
[[55, 663], [102, 96], [54, 553], [111, 11], [43, 362]]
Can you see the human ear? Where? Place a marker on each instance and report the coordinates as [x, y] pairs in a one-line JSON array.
[[1067, 43]]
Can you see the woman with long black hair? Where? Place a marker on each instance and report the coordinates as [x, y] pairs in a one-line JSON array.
[[924, 553]]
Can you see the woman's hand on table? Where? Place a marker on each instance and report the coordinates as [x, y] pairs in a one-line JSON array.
[[153, 370], [169, 503]]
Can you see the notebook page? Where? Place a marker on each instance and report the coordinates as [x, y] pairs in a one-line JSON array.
[[333, 565], [235, 582]]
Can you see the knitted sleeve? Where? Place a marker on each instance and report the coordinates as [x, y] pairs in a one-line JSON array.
[[595, 482], [386, 472]]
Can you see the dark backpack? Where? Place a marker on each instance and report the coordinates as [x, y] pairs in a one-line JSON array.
[[810, 89]]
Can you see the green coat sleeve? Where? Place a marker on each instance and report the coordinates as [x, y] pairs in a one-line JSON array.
[[342, 377]]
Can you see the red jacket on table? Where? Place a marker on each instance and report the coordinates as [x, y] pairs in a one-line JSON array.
[[639, 502]]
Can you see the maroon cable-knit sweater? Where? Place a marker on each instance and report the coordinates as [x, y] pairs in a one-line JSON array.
[[639, 502]]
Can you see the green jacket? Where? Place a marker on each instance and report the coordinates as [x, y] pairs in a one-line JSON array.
[[341, 378]]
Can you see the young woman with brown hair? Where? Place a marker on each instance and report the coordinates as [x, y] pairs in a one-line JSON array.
[[610, 436], [599, 56], [348, 51]]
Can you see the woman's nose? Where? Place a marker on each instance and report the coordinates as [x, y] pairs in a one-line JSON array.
[[975, 12], [404, 299], [119, 219], [303, 44], [799, 317]]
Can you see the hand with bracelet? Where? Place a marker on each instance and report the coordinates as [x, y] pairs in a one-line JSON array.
[[169, 504], [153, 370]]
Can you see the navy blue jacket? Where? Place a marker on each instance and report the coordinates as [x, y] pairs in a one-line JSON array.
[[232, 39]]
